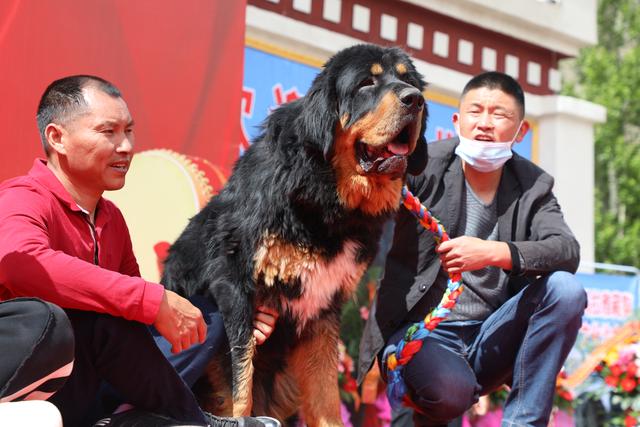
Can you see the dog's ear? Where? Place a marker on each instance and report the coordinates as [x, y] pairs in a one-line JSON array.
[[319, 117], [420, 156]]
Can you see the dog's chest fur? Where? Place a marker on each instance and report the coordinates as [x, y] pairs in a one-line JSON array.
[[317, 279]]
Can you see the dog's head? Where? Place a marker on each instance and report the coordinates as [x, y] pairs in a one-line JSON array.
[[366, 112]]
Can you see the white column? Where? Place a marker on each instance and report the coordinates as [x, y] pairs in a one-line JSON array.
[[566, 151]]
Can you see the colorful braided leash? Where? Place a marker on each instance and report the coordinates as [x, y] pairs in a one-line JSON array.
[[397, 356]]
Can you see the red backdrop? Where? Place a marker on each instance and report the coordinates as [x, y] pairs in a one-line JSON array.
[[178, 64]]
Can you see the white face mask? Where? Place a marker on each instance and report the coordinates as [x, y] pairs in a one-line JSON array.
[[485, 156]]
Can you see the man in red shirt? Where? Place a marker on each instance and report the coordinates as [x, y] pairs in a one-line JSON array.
[[62, 242]]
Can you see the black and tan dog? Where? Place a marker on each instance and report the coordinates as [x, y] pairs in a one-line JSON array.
[[297, 225]]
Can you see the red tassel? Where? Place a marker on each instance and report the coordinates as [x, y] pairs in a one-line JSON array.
[[409, 403], [409, 349], [433, 323], [449, 304]]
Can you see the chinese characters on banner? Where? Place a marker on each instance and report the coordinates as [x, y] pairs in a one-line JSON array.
[[612, 301]]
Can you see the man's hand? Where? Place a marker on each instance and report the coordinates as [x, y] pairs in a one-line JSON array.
[[263, 323], [180, 322], [470, 253]]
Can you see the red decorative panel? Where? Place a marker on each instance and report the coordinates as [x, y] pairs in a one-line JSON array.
[[431, 22]]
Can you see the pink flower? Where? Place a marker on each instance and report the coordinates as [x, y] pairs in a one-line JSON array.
[[364, 313], [626, 355]]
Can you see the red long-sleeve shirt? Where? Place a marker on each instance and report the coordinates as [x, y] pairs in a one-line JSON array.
[[49, 249]]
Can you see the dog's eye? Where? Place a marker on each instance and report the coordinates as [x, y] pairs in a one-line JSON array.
[[369, 81]]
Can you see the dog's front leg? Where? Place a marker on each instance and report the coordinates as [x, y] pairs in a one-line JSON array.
[[242, 374], [315, 365], [236, 308]]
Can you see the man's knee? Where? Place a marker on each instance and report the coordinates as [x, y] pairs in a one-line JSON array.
[[439, 407], [41, 352], [32, 312], [446, 401], [62, 331], [566, 293], [45, 325]]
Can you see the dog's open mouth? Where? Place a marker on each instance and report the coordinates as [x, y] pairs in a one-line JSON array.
[[389, 158]]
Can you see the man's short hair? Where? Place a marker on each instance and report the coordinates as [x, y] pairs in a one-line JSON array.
[[497, 80], [64, 97]]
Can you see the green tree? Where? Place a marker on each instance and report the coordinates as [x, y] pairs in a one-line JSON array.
[[609, 74]]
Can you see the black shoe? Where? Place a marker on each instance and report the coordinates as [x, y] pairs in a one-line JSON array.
[[241, 422], [140, 418]]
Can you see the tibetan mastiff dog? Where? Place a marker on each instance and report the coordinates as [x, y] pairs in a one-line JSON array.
[[295, 228]]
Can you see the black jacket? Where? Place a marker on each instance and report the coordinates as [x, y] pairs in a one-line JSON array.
[[529, 220]]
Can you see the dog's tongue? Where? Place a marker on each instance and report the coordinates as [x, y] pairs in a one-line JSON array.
[[397, 148], [393, 161]]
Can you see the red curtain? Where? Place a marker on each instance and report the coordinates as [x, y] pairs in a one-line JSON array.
[[178, 64]]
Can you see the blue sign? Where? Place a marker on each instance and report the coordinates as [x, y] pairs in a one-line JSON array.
[[269, 81], [613, 299]]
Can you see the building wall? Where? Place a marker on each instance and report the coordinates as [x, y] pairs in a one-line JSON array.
[[561, 25]]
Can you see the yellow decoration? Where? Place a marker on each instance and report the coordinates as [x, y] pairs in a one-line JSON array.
[[163, 190]]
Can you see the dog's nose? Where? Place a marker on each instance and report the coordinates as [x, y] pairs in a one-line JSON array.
[[411, 98]]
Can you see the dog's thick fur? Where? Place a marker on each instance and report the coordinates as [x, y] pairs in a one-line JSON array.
[[297, 225]]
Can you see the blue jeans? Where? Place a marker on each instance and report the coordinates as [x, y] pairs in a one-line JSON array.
[[524, 343], [192, 362]]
